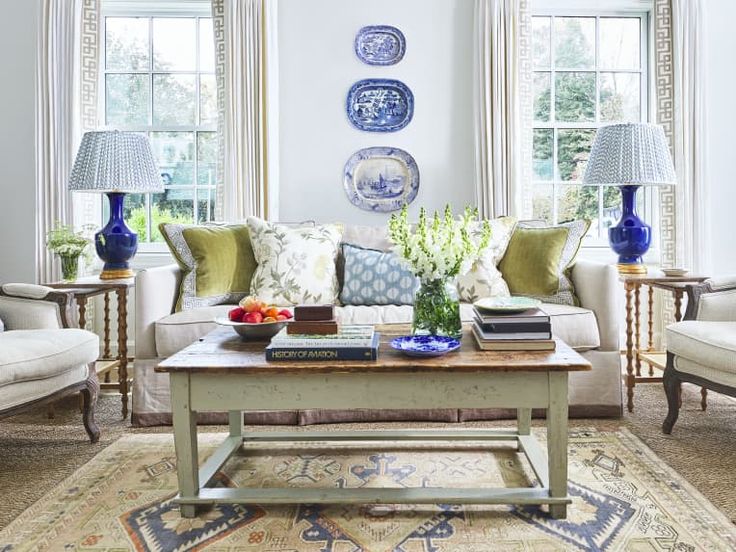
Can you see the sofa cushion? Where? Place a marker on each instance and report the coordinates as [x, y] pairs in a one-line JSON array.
[[27, 355], [375, 277], [176, 331], [711, 344]]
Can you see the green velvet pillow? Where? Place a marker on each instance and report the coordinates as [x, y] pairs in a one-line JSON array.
[[217, 262], [538, 261]]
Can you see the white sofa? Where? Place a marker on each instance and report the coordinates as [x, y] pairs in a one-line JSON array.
[[42, 355], [592, 329]]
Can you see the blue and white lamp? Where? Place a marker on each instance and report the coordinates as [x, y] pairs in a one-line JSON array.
[[629, 156], [115, 163]]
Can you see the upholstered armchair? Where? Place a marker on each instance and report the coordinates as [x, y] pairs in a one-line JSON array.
[[701, 349], [43, 356]]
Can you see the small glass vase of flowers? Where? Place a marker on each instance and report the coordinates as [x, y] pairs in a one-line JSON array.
[[437, 250], [69, 246]]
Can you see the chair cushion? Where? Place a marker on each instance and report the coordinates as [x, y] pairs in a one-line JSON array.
[[38, 354], [707, 343]]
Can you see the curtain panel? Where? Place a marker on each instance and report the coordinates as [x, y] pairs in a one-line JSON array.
[[66, 105], [239, 29], [503, 106]]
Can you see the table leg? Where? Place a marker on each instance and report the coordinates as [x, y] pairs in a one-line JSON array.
[[236, 423], [630, 378], [185, 442], [557, 441], [650, 324], [637, 328], [122, 294], [678, 305], [106, 332], [703, 398], [523, 421], [82, 304]]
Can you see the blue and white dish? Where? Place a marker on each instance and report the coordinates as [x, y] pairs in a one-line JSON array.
[[380, 45], [425, 345], [380, 105], [381, 179]]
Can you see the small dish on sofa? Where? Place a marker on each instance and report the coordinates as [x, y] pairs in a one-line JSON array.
[[425, 345], [261, 330], [675, 272], [506, 305]]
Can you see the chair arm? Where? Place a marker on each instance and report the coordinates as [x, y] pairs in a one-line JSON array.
[[33, 307], [713, 300], [596, 285], [155, 297]]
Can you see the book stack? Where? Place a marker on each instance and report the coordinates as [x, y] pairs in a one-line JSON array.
[[527, 331], [315, 335]]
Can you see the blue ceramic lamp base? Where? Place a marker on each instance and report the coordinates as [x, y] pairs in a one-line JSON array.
[[116, 244], [631, 237]]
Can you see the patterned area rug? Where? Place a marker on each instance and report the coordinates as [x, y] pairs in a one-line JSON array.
[[625, 498]]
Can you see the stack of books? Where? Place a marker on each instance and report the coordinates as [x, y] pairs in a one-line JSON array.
[[315, 335], [527, 331]]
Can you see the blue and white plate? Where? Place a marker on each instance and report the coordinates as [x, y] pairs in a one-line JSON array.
[[425, 345]]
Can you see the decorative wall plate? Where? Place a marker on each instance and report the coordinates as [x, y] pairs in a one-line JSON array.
[[381, 179], [380, 45], [380, 105]]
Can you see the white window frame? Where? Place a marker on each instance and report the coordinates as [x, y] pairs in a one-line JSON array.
[[598, 248], [152, 253]]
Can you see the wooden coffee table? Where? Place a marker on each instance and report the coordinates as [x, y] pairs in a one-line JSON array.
[[222, 373]]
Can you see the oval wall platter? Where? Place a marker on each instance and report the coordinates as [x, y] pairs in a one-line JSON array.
[[381, 179], [380, 105], [380, 45]]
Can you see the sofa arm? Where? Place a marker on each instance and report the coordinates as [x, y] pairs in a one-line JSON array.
[[596, 285], [713, 300], [155, 297], [33, 307]]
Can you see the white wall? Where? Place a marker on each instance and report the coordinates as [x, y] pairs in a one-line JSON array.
[[317, 66], [719, 86], [17, 149]]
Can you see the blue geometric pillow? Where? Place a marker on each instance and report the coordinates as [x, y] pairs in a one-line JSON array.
[[376, 278]]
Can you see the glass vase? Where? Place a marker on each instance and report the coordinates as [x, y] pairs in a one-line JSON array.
[[69, 267], [437, 309]]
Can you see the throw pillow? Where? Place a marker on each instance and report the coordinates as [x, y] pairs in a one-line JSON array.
[[216, 260], [2, 326], [376, 278], [484, 279], [539, 259], [295, 265]]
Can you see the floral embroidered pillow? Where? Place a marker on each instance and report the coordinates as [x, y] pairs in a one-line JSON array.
[[296, 265], [484, 279]]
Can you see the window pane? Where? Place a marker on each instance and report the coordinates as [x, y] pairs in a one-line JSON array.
[[174, 44], [542, 203], [174, 99], [542, 100], [541, 42], [126, 43], [207, 100], [126, 99], [578, 202], [206, 45], [611, 207], [620, 97], [206, 204], [542, 154], [620, 48], [573, 148], [134, 213], [206, 158], [174, 152], [575, 97], [171, 206], [574, 42]]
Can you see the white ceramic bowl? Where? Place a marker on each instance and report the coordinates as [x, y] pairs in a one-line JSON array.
[[676, 272], [262, 330]]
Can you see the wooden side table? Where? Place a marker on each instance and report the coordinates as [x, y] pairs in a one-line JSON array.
[[635, 354], [91, 286]]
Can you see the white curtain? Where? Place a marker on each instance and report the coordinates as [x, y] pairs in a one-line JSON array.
[[240, 65], [66, 100], [502, 105]]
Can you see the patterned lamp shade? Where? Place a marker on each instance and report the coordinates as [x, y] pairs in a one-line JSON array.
[[634, 154], [114, 161]]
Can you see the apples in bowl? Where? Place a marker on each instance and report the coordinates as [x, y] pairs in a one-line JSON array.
[[255, 319]]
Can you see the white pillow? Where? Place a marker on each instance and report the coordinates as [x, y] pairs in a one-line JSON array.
[[484, 279], [2, 326], [295, 265]]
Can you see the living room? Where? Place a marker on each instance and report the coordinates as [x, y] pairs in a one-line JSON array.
[[327, 275]]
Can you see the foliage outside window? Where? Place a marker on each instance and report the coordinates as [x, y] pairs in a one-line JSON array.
[[159, 80], [588, 71]]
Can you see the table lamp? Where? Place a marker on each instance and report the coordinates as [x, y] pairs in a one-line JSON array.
[[115, 163], [630, 155]]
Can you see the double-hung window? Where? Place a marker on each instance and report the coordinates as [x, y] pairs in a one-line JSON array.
[[159, 80], [589, 70]]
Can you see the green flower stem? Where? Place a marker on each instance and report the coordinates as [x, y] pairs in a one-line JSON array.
[[437, 309]]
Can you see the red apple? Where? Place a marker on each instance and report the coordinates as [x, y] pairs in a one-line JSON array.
[[253, 317], [236, 314], [286, 313]]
